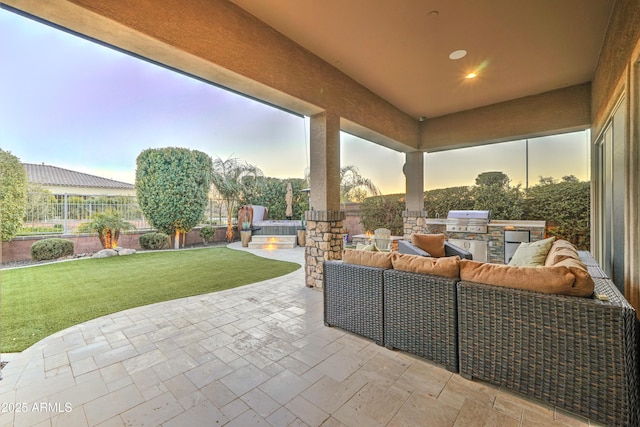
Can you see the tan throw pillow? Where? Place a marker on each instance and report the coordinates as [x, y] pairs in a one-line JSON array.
[[557, 255], [532, 254], [562, 243], [561, 249], [444, 267], [551, 280], [368, 258], [583, 285], [432, 243]]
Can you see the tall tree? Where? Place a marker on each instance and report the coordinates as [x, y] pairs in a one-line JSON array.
[[13, 195], [494, 193], [172, 185], [232, 178], [493, 178]]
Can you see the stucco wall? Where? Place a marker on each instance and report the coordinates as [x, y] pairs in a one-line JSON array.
[[616, 59], [617, 74], [558, 111]]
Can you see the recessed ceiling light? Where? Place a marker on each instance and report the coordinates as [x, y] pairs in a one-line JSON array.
[[457, 54], [471, 75]]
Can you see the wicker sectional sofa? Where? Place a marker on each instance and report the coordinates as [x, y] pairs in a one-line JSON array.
[[408, 311], [579, 354]]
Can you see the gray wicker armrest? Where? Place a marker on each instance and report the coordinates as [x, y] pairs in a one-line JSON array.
[[406, 247], [353, 299], [579, 354], [420, 313], [453, 250]]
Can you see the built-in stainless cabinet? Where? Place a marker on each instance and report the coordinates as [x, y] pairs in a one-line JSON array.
[[512, 239]]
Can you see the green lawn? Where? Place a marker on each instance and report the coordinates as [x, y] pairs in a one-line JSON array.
[[39, 301]]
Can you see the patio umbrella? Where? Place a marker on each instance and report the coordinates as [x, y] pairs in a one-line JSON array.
[[289, 199]]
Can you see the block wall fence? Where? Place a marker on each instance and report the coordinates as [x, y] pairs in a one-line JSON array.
[[19, 248]]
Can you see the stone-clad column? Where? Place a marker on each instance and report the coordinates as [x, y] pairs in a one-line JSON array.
[[324, 243], [414, 222], [324, 220]]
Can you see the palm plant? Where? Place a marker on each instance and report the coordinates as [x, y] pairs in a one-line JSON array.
[[108, 225], [232, 178], [353, 184]]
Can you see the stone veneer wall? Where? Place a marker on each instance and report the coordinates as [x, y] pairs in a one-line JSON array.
[[413, 222], [323, 243], [494, 236]]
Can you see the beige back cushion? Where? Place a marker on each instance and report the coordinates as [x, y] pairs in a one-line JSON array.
[[432, 243], [551, 280], [445, 266], [368, 258]]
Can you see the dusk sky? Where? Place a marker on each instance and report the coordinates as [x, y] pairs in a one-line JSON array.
[[69, 102]]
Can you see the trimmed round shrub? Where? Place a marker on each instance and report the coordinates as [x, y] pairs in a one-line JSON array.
[[152, 241], [207, 233], [51, 249]]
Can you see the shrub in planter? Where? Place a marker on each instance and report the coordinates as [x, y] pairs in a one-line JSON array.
[[154, 240], [51, 249], [207, 233]]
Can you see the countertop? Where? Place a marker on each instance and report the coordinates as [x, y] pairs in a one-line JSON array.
[[496, 223]]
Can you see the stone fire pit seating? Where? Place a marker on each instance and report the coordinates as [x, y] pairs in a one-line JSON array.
[[560, 332]]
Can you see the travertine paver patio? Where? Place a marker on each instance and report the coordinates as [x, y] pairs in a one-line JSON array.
[[256, 355]]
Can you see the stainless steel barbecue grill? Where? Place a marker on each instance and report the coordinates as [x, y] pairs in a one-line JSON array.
[[468, 221]]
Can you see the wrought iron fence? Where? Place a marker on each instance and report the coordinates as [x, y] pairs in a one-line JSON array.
[[47, 213]]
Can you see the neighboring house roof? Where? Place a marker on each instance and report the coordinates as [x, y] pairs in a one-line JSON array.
[[51, 175]]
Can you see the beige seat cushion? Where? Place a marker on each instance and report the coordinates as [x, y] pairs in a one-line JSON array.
[[551, 280], [532, 254], [368, 258], [432, 243], [444, 267]]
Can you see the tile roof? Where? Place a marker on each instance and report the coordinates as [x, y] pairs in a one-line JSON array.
[[52, 175]]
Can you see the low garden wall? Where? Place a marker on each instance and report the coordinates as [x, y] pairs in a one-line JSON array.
[[19, 248], [351, 221]]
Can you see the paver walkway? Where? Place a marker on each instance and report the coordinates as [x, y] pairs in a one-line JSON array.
[[254, 355]]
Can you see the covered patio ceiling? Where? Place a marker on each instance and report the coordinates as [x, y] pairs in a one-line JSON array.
[[400, 50]]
